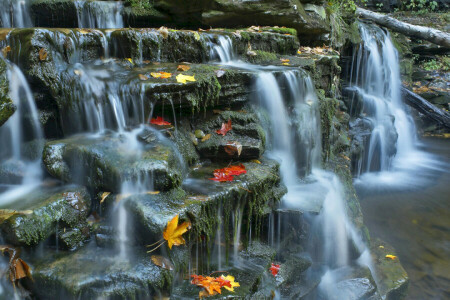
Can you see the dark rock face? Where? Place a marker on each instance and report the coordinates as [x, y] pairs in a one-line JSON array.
[[38, 214], [7, 107]]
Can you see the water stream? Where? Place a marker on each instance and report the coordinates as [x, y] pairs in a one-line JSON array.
[[15, 13], [99, 14]]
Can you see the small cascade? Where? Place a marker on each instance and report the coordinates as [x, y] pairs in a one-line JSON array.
[[22, 130], [223, 49], [375, 78], [15, 14], [99, 14]]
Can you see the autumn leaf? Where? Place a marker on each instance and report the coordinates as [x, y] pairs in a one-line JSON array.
[[232, 148], [183, 68], [143, 77], [43, 54], [235, 170], [153, 192], [173, 232], [233, 283], [222, 177], [213, 285], [6, 50], [184, 78], [163, 31], [18, 268], [103, 197], [206, 137], [78, 72], [130, 60], [255, 161], [274, 269], [225, 128], [162, 262], [284, 60], [159, 121], [162, 75], [390, 256], [285, 64]]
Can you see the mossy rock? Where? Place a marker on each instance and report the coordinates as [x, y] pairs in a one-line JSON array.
[[39, 214], [104, 162], [392, 280], [54, 13], [7, 107], [92, 273]]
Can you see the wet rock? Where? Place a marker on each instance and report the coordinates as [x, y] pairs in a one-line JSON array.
[[392, 280], [92, 273], [245, 132], [104, 162], [73, 238], [201, 198], [7, 107], [12, 171], [41, 212], [51, 13]]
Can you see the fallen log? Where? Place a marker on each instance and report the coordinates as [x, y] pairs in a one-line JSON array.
[[420, 32], [440, 116]]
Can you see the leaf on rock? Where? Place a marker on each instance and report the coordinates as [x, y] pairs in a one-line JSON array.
[[173, 232], [163, 31], [274, 269], [183, 68], [43, 54], [285, 64], [284, 60], [103, 197], [235, 170], [162, 262], [184, 78], [225, 128], [5, 50], [143, 77], [18, 268], [255, 161], [159, 121], [232, 148], [153, 192], [390, 256], [130, 60], [163, 75], [222, 177], [232, 283], [206, 137]]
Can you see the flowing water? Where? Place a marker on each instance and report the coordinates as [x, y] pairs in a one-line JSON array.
[[15, 13], [99, 14]]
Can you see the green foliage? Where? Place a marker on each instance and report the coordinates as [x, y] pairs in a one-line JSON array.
[[421, 6], [432, 65], [142, 4], [441, 63], [342, 7]]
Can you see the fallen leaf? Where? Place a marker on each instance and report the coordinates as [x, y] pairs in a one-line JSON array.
[[233, 283], [163, 31], [159, 121], [78, 72], [18, 268], [285, 64], [390, 256], [284, 60], [225, 128], [6, 50], [184, 78], [103, 197], [219, 73], [120, 197], [206, 137], [255, 161], [196, 35], [130, 60], [153, 192], [162, 262], [42, 54], [143, 77], [222, 177], [173, 232], [183, 68], [163, 75], [232, 148], [274, 269], [235, 170]]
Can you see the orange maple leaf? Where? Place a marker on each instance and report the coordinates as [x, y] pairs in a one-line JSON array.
[[173, 232], [159, 121], [274, 269], [225, 128]]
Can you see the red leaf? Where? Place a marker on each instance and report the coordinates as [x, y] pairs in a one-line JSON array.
[[223, 282], [159, 121], [225, 128], [235, 170], [221, 177], [274, 269]]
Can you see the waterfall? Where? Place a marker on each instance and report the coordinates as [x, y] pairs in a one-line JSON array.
[[376, 80], [15, 13], [99, 14], [22, 127]]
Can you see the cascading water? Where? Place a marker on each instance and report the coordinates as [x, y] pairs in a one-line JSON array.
[[99, 14], [22, 129], [15, 13]]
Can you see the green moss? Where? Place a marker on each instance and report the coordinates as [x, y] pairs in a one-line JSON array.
[[281, 30], [7, 107]]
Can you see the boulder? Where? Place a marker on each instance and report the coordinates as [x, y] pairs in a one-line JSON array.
[[39, 214], [7, 107], [104, 162]]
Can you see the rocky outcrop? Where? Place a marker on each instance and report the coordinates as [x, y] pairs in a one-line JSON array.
[[7, 107]]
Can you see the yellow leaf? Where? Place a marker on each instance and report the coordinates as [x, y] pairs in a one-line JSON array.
[[78, 72], [173, 232], [162, 75], [196, 35], [381, 247], [163, 31], [183, 68], [104, 195], [206, 137], [391, 256], [153, 192], [6, 50], [284, 60], [184, 78], [285, 64], [43, 54], [232, 282], [299, 52], [255, 161], [143, 77], [130, 60], [162, 262]]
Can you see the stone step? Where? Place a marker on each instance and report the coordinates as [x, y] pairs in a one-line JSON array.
[[104, 162], [37, 215]]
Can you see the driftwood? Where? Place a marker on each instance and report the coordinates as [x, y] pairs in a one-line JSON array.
[[420, 32], [425, 107]]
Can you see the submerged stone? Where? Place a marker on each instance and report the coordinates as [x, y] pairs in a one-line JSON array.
[[40, 213], [105, 162]]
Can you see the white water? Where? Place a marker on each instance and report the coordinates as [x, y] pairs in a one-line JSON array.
[[15, 13], [21, 127], [99, 14], [388, 161]]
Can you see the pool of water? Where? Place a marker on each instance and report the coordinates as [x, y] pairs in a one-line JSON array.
[[415, 219]]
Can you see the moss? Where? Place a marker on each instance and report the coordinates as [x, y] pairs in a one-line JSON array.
[[281, 30], [7, 107]]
